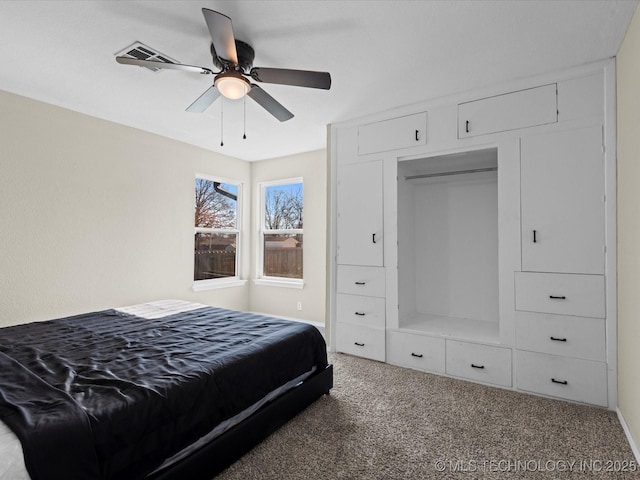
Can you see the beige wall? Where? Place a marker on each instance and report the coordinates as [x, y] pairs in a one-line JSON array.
[[628, 105], [95, 215], [312, 167]]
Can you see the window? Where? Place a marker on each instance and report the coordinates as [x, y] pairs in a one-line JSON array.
[[281, 233], [217, 231]]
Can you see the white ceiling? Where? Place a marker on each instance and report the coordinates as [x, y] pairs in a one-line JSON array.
[[381, 55]]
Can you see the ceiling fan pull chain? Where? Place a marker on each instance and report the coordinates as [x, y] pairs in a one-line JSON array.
[[221, 122], [244, 117]]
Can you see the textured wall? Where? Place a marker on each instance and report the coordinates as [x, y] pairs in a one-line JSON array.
[[95, 214], [628, 104], [312, 167]]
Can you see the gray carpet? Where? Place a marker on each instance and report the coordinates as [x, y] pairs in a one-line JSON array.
[[385, 422]]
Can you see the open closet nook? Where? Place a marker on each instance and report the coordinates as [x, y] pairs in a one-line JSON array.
[[448, 245]]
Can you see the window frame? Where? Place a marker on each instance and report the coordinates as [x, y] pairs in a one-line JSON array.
[[263, 279], [224, 282]]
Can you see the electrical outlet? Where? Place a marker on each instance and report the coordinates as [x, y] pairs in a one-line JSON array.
[[299, 305]]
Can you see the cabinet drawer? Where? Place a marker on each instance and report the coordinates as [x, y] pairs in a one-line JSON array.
[[416, 351], [401, 132], [569, 378], [362, 341], [564, 294], [521, 109], [579, 337], [355, 280], [360, 310], [483, 363]]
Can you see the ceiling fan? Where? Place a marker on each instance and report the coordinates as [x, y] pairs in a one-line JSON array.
[[234, 58]]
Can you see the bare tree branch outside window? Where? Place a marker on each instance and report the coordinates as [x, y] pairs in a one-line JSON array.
[[213, 209], [283, 209], [282, 231]]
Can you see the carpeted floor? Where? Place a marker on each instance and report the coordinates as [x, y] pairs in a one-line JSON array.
[[384, 423]]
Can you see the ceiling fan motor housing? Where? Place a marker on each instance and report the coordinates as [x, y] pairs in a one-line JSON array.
[[245, 53]]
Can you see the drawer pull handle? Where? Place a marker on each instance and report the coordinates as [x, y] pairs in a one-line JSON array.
[[558, 339], [361, 283], [358, 344], [417, 139], [534, 237], [561, 382], [373, 237], [417, 355], [556, 297], [467, 126], [360, 314], [481, 367]]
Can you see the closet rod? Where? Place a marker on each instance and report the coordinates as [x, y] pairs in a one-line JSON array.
[[458, 172]]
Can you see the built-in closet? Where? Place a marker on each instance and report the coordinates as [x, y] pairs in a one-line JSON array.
[[474, 236]]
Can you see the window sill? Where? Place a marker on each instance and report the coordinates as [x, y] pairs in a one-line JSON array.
[[279, 282], [202, 285]]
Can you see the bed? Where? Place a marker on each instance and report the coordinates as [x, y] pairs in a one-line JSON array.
[[160, 391]]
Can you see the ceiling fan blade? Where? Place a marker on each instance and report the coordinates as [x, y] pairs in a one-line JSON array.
[[205, 100], [169, 66], [298, 78], [269, 103], [221, 31]]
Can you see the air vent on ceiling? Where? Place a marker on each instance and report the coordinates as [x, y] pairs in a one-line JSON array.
[[142, 52]]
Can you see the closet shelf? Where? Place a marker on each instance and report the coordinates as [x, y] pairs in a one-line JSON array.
[[451, 327]]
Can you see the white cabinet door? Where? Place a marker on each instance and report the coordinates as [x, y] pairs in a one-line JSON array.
[[562, 181], [360, 214], [401, 132], [521, 109]]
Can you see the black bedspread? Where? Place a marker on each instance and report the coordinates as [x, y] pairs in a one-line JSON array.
[[109, 395]]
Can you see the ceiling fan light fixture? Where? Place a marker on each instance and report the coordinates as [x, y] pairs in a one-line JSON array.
[[232, 85]]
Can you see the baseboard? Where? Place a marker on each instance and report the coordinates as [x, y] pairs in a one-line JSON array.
[[627, 432]]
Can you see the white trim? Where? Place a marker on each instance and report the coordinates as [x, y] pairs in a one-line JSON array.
[[279, 282], [627, 432], [215, 178], [202, 285]]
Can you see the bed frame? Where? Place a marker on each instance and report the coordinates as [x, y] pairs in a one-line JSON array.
[[224, 450]]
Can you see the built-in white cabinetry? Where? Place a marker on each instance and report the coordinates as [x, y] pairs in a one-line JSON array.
[[569, 336], [562, 191], [509, 111], [360, 311], [483, 251], [563, 377], [416, 351], [560, 293], [482, 363], [401, 132], [360, 226]]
